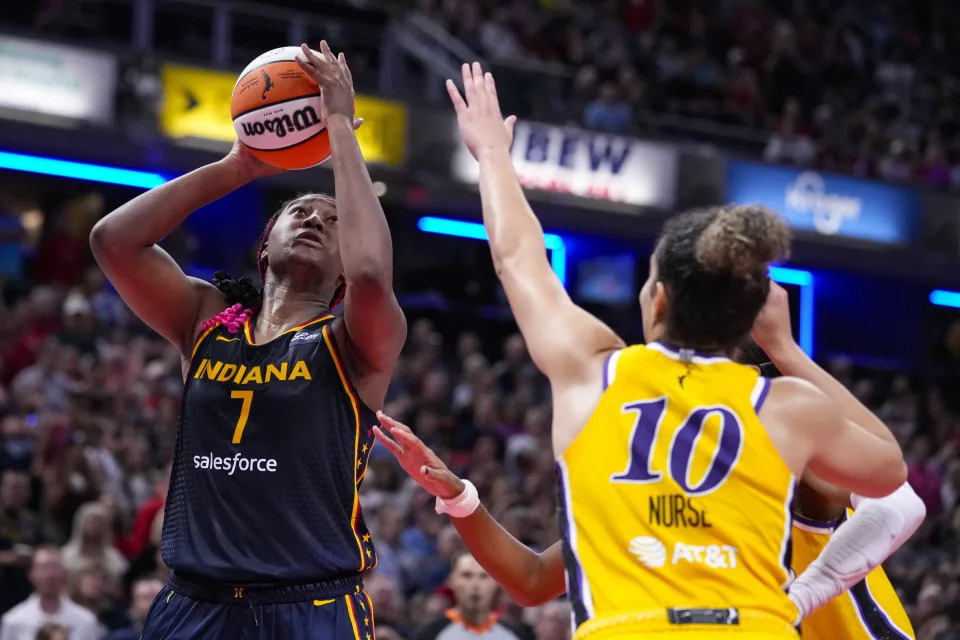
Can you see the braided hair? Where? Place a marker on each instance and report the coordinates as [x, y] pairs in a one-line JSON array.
[[242, 295]]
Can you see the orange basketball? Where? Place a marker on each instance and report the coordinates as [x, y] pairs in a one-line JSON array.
[[276, 112]]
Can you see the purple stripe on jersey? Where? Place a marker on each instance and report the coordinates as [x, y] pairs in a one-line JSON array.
[[763, 395], [575, 576], [606, 369], [876, 623], [819, 524]]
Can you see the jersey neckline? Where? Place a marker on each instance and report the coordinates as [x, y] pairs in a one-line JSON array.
[[248, 329], [686, 355]]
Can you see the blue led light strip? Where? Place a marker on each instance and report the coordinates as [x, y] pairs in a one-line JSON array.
[[558, 259], [804, 280], [79, 170], [476, 231], [943, 298]]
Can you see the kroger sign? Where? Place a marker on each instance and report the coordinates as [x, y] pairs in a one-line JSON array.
[[825, 203]]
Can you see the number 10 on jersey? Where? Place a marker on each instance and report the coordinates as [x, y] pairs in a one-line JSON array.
[[646, 430]]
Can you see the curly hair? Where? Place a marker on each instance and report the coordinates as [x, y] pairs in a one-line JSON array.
[[242, 295], [713, 263]]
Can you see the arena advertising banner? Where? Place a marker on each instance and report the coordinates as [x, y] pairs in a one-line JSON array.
[[196, 104], [57, 80], [586, 164], [828, 204]]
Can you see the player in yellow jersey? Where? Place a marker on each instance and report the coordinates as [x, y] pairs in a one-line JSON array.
[[868, 610], [677, 465]]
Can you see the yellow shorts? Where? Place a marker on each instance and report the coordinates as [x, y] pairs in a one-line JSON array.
[[654, 625]]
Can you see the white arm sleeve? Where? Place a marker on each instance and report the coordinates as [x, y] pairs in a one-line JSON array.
[[877, 528]]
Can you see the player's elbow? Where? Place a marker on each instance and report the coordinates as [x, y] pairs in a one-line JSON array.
[[898, 470], [373, 274], [529, 595], [100, 237], [891, 473], [106, 243]]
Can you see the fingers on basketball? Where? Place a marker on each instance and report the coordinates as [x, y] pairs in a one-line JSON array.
[[309, 56], [342, 59], [325, 50]]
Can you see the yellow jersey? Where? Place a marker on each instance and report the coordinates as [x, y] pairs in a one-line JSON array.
[[870, 610], [675, 504]]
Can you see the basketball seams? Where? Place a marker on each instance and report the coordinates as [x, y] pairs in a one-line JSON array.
[[273, 104]]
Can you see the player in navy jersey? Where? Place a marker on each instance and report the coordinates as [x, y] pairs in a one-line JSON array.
[[263, 529]]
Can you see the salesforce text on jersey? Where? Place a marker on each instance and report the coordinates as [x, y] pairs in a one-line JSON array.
[[236, 463]]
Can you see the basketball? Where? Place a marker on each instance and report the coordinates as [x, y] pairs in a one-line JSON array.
[[276, 112]]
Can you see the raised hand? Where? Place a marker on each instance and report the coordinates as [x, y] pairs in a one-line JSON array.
[[417, 459], [333, 76], [247, 164], [771, 330], [481, 124]]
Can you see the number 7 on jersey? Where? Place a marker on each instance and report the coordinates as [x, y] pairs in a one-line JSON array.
[[247, 397]]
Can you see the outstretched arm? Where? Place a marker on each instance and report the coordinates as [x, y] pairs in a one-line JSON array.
[[530, 578], [375, 325], [559, 334]]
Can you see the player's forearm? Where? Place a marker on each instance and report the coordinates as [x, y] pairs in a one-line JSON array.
[[148, 218], [877, 528], [513, 230], [792, 361], [518, 569], [366, 248]]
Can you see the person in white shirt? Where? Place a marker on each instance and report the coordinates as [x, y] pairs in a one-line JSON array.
[[48, 604]]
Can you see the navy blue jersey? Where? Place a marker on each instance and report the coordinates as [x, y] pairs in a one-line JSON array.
[[272, 446]]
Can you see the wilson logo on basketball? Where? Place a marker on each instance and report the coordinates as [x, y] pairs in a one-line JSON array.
[[281, 125]]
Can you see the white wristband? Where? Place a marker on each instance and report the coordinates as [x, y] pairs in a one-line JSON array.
[[461, 506]]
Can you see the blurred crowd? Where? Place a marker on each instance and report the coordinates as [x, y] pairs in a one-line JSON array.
[[861, 87], [868, 88], [89, 401]]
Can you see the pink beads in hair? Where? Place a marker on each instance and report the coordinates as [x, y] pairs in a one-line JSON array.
[[232, 318]]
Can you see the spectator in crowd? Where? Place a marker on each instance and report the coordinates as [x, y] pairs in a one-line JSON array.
[[388, 600], [19, 533], [88, 588], [141, 598], [790, 144], [553, 621], [608, 113], [474, 592], [48, 604], [92, 543]]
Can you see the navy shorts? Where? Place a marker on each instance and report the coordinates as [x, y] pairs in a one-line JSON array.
[[187, 610]]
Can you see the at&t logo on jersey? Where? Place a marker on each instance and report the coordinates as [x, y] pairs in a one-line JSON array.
[[652, 553], [649, 551]]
